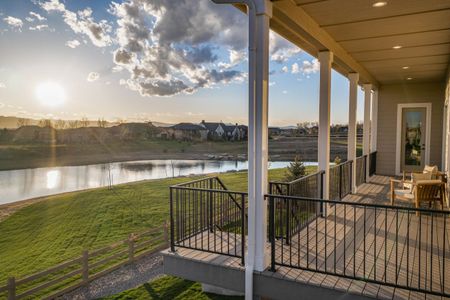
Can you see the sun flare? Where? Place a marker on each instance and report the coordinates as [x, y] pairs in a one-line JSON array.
[[50, 93]]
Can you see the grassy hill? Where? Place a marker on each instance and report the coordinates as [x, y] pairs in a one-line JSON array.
[[60, 227]]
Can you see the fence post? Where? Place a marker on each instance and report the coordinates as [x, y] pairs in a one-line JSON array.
[[365, 168], [85, 266], [321, 208], [172, 223], [340, 181], [210, 200], [350, 182], [11, 288], [272, 232], [243, 228], [130, 247]]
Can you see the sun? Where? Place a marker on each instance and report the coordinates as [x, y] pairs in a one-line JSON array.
[[50, 93]]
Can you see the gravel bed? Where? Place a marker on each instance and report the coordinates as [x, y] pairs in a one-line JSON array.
[[127, 277]]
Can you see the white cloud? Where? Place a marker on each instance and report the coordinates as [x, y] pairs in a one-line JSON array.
[[2, 85], [37, 16], [285, 92], [38, 27], [82, 22], [175, 53], [281, 49], [310, 67], [13, 22], [2, 105], [284, 69], [93, 76], [295, 68], [73, 44]]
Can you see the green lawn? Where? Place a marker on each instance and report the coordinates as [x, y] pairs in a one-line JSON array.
[[168, 287], [60, 227]]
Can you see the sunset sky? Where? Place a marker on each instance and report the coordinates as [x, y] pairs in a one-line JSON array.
[[160, 60]]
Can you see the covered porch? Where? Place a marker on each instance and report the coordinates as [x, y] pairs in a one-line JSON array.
[[364, 247], [339, 235]]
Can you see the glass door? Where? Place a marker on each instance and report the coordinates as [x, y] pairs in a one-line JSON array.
[[413, 139]]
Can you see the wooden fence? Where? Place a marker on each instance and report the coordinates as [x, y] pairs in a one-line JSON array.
[[77, 272]]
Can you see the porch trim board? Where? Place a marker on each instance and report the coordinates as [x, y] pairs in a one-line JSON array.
[[265, 284], [398, 144]]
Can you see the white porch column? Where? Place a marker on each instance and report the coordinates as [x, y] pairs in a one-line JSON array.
[[258, 133], [352, 134], [366, 125], [374, 122], [325, 59]]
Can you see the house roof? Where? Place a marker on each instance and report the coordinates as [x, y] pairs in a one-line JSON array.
[[187, 126], [211, 126]]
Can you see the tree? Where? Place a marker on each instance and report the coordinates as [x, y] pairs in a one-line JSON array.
[[45, 123], [22, 122], [60, 124], [296, 169], [101, 123], [337, 160], [84, 122], [73, 124]]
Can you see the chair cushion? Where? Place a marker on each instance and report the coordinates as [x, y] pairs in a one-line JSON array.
[[430, 181], [431, 169], [404, 193], [421, 176]]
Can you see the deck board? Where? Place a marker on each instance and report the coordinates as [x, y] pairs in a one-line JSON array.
[[328, 244]]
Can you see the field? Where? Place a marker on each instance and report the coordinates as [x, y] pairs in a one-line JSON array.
[[59, 227], [19, 156]]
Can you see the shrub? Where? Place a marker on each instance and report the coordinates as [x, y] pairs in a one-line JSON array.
[[295, 170]]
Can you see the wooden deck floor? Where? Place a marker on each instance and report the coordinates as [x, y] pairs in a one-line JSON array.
[[352, 240]]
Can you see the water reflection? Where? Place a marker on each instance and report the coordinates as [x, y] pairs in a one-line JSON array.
[[53, 177], [18, 185]]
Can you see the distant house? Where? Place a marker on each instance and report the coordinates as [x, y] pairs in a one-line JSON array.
[[274, 131], [216, 131], [188, 132]]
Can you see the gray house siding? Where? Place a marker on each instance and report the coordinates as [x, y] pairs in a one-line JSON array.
[[388, 99]]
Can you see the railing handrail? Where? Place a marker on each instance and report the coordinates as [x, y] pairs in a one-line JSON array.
[[194, 181], [341, 164], [298, 179], [374, 205], [207, 189]]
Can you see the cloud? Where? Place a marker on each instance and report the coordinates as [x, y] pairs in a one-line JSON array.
[[2, 85], [284, 69], [13, 22], [93, 76], [37, 16], [73, 44], [82, 22], [295, 68], [168, 47], [280, 49], [310, 67], [2, 105], [38, 27]]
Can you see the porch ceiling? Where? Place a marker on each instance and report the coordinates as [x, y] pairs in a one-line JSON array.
[[362, 37]]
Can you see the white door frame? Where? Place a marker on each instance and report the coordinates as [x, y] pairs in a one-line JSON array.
[[398, 148]]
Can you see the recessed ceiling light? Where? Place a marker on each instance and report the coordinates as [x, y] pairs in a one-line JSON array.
[[405, 68], [396, 47], [409, 78], [379, 4]]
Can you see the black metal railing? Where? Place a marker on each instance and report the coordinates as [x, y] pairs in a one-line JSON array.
[[373, 163], [394, 246], [206, 216], [361, 174], [291, 216], [340, 180]]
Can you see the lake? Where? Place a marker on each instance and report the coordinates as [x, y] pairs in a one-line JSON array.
[[16, 185]]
